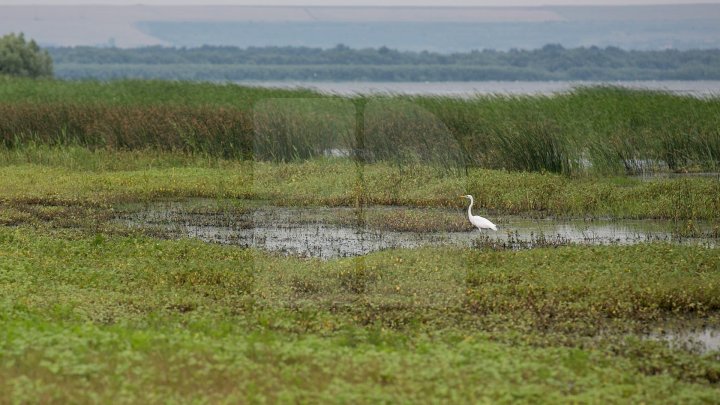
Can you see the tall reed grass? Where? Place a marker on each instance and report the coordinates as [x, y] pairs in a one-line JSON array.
[[217, 131], [602, 130]]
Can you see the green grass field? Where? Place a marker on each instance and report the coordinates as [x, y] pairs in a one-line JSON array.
[[92, 310]]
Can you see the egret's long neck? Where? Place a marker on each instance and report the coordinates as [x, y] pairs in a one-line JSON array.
[[470, 207]]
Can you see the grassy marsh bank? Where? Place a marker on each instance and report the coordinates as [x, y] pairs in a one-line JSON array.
[[77, 176], [593, 130]]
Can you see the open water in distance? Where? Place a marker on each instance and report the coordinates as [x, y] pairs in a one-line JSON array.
[[699, 88]]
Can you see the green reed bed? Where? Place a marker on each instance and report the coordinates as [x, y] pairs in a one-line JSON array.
[[601, 130], [215, 131], [139, 92]]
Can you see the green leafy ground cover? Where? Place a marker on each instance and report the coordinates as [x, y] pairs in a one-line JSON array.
[[96, 318]]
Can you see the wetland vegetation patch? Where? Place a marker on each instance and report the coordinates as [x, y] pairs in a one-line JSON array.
[[105, 297]]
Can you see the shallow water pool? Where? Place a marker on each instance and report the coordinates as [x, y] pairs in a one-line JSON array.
[[341, 232]]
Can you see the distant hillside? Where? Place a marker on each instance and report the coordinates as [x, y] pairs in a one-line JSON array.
[[439, 29], [341, 63]]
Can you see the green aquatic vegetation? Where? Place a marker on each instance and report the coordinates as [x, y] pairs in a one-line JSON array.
[[65, 177], [357, 366], [564, 283], [406, 220], [94, 311], [138, 319]]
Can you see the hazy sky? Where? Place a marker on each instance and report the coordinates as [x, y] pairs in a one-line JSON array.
[[363, 2]]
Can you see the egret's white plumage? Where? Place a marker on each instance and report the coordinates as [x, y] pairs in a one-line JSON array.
[[479, 222]]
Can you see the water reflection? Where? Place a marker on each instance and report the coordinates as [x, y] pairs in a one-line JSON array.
[[329, 232], [700, 338]]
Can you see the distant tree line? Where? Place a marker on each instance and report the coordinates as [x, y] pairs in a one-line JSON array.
[[551, 62]]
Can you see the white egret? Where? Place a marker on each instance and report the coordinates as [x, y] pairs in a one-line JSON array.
[[480, 222]]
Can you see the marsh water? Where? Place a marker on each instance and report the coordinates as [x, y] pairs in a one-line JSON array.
[[697, 88], [699, 338], [327, 233], [331, 232]]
